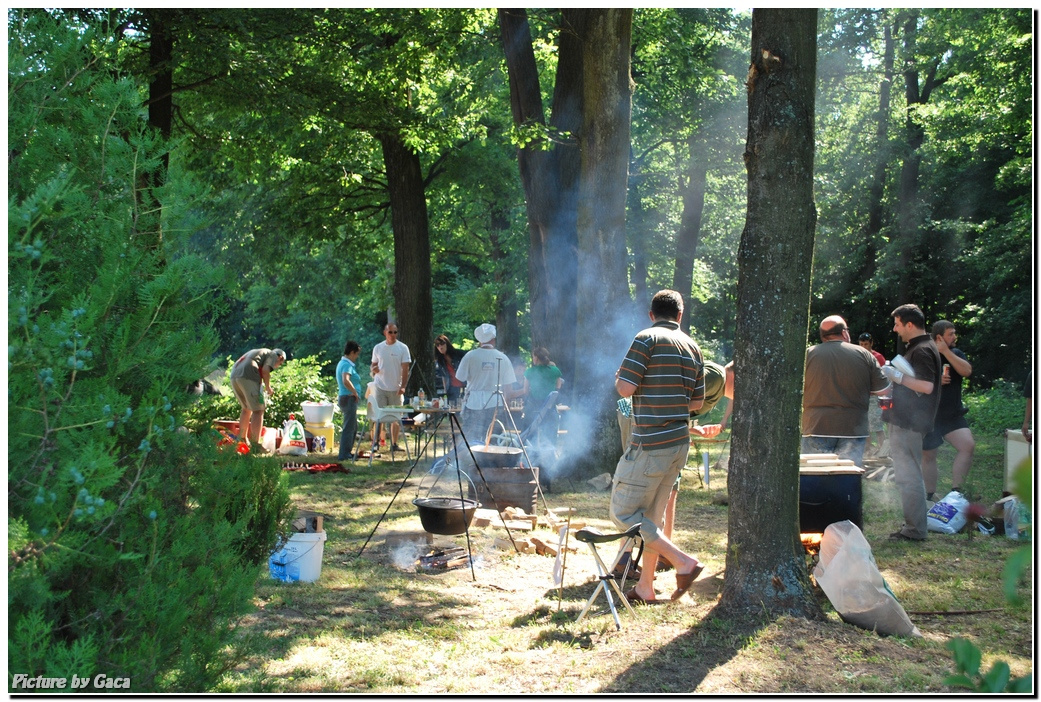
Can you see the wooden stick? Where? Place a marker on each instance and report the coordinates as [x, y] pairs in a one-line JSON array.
[[940, 613], [563, 562], [488, 436]]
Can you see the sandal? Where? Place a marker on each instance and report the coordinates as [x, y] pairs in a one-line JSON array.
[[685, 580], [636, 599]]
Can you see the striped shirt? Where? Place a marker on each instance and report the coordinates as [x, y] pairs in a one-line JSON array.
[[667, 369]]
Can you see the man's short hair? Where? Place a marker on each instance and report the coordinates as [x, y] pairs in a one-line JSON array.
[[909, 314], [666, 304], [940, 328]]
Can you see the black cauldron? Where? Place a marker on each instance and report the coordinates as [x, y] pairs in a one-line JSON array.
[[448, 516]]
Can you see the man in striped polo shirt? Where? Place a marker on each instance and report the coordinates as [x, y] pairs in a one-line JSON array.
[[663, 373]]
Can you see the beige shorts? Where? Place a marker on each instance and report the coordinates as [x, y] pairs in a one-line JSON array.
[[249, 393]]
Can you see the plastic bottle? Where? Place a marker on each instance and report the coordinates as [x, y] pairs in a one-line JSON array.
[[422, 396]]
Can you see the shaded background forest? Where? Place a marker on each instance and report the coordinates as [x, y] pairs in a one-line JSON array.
[[306, 132]]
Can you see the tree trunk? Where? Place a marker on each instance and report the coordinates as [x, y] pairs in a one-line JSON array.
[[766, 565], [550, 180], [535, 170], [637, 238], [506, 323], [412, 283], [160, 115], [690, 229], [607, 99], [566, 167]]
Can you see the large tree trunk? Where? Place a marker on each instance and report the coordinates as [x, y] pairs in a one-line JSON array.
[[412, 283], [690, 228], [566, 167], [601, 291], [550, 180], [535, 173], [766, 564]]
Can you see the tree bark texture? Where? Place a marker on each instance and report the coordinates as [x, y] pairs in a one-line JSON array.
[[602, 288], [412, 281], [766, 565]]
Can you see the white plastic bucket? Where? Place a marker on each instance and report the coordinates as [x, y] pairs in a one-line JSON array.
[[299, 559], [318, 413]]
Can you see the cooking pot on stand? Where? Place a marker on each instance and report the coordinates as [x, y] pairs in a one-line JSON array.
[[448, 516]]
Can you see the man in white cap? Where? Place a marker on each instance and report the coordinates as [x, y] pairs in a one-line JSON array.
[[485, 370]]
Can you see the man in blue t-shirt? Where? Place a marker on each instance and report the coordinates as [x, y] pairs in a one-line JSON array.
[[349, 383]]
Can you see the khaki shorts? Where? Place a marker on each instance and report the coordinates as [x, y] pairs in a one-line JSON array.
[[249, 393], [643, 481]]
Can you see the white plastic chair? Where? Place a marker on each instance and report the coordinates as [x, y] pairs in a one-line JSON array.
[[386, 417]]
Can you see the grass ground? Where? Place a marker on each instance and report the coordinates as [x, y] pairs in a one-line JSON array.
[[374, 624]]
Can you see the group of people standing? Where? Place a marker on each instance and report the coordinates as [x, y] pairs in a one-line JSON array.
[[923, 401], [481, 381]]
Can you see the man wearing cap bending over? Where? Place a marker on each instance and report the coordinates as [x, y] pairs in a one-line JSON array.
[[840, 379], [485, 370], [663, 373], [250, 379]]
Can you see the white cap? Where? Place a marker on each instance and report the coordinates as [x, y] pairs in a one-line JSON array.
[[484, 333]]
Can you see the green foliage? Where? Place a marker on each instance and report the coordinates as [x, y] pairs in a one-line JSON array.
[[296, 381], [132, 544], [996, 409], [967, 659]]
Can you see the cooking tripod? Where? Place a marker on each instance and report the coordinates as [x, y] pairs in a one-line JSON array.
[[454, 423]]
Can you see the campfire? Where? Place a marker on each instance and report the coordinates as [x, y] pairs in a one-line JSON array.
[[444, 559]]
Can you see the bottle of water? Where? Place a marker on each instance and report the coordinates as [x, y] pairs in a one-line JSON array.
[[422, 396]]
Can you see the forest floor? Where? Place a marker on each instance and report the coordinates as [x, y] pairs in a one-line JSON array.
[[379, 624]]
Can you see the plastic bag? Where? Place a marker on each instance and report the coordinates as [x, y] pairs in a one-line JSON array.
[[293, 441], [949, 515], [1017, 520], [849, 577]]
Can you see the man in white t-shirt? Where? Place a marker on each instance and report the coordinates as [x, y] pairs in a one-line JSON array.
[[485, 370], [390, 365]]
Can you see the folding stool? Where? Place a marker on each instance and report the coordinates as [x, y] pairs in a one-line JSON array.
[[605, 575]]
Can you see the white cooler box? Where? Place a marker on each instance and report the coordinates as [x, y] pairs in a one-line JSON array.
[[1016, 449]]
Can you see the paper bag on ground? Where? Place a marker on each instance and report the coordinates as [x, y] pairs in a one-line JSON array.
[[849, 577]]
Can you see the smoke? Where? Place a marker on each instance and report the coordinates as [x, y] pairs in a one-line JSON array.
[[404, 557], [593, 395]]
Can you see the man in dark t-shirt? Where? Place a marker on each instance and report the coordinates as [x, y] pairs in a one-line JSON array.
[[916, 396], [950, 424]]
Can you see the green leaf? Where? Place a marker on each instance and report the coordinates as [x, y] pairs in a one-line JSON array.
[[1015, 566], [959, 681], [997, 678], [967, 656]]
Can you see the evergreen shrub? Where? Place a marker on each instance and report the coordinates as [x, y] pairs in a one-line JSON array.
[[132, 544]]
